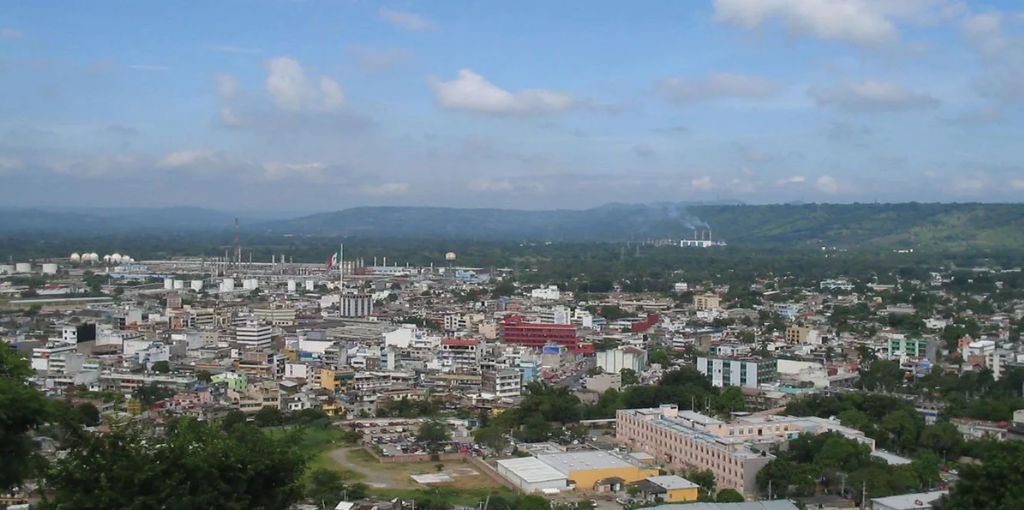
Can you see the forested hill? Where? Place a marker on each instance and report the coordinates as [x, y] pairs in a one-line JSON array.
[[906, 225], [884, 225], [932, 225]]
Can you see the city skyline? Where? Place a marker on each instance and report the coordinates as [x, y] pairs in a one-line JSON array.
[[324, 106]]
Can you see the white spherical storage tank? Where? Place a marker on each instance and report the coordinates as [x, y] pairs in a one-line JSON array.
[[75, 258], [49, 268]]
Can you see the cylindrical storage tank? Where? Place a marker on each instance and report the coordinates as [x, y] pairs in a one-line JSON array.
[[179, 284], [250, 284], [23, 267], [6, 269], [49, 268], [309, 285], [291, 285], [196, 285], [168, 284], [228, 284]]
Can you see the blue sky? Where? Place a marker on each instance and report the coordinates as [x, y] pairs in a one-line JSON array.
[[317, 105]]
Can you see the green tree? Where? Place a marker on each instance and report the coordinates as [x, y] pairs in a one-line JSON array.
[[325, 486], [88, 414], [162, 367], [268, 416], [996, 483], [204, 376], [944, 439], [629, 376], [434, 434], [196, 465], [23, 410], [729, 496]]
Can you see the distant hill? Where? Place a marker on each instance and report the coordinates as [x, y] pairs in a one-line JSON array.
[[113, 220], [612, 222], [933, 225]]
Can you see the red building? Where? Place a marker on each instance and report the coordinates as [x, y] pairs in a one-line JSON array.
[[640, 327], [516, 331]]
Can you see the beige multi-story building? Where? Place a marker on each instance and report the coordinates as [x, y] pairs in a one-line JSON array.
[[735, 451], [707, 302]]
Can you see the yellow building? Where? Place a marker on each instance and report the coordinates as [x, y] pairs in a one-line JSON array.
[[585, 469], [669, 489], [328, 381]]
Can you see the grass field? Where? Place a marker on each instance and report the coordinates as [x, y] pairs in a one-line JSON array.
[[394, 480]]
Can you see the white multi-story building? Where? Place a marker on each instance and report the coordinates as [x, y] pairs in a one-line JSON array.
[[356, 305], [748, 372], [254, 335], [613, 361], [501, 383], [550, 292]]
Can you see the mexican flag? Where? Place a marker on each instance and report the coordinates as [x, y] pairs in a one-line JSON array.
[[332, 261]]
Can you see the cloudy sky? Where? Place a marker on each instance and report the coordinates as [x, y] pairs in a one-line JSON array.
[[318, 105]]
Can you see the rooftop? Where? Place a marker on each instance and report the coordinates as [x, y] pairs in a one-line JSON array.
[[531, 469]]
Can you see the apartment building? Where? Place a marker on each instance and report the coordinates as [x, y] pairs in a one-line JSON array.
[[707, 302], [679, 439], [254, 335], [746, 372], [734, 451], [460, 354], [501, 383]]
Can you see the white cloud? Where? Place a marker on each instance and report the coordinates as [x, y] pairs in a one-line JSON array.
[[387, 188], [472, 92], [844, 20], [185, 158], [871, 96], [985, 33], [1017, 184], [702, 183], [500, 185], [8, 165], [229, 118], [869, 23], [406, 20], [792, 179], [334, 97], [275, 171], [227, 86], [715, 86], [827, 184], [292, 91], [10, 33]]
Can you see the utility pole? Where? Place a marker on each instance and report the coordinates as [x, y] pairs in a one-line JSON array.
[[864, 494]]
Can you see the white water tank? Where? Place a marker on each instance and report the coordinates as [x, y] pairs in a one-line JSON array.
[[227, 285], [168, 284], [196, 285], [75, 258], [179, 284], [309, 285], [23, 267], [250, 284], [6, 269], [49, 268], [291, 286]]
